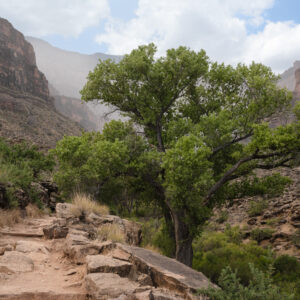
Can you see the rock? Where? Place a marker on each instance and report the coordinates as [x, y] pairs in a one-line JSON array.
[[16, 262], [105, 264], [63, 210], [30, 246], [77, 252], [166, 272], [18, 65], [133, 232], [2, 250], [55, 231], [106, 286], [119, 254], [144, 280]]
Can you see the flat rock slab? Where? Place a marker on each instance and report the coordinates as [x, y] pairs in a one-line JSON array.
[[107, 285], [44, 296], [166, 272], [105, 264], [30, 246], [15, 262]]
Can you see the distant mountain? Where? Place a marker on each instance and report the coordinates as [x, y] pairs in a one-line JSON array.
[[288, 77], [26, 109], [67, 72]]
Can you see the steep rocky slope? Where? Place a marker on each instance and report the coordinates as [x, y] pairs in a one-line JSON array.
[[26, 109], [67, 72]]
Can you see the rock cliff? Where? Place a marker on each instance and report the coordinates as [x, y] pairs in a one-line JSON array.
[[27, 111], [18, 70]]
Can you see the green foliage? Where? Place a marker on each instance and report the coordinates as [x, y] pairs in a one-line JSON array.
[[296, 238], [20, 165], [256, 208], [196, 116], [287, 274], [214, 251], [260, 234], [261, 287]]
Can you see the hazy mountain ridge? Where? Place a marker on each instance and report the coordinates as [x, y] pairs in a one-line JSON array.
[[67, 72]]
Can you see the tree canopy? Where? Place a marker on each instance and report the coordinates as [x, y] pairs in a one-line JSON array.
[[198, 129]]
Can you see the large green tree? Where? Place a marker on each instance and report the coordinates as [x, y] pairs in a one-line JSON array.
[[204, 125]]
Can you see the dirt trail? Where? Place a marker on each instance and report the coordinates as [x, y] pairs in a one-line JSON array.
[[52, 277]]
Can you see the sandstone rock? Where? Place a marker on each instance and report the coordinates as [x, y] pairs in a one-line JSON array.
[[104, 264], [144, 280], [16, 262], [30, 246], [120, 254], [166, 272], [106, 285], [55, 232], [63, 210]]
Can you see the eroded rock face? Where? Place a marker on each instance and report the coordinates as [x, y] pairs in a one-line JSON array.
[[18, 68]]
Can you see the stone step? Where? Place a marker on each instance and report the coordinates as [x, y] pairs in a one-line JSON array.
[[43, 296], [22, 234]]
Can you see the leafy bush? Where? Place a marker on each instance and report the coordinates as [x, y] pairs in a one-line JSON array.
[[260, 234], [21, 164], [296, 238], [287, 274], [261, 287], [214, 251], [256, 208]]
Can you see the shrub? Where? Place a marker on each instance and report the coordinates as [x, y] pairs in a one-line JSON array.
[[111, 232], [261, 287], [214, 251], [260, 234], [296, 238], [83, 205], [256, 208], [21, 164]]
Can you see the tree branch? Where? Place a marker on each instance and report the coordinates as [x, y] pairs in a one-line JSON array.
[[229, 174], [235, 140]]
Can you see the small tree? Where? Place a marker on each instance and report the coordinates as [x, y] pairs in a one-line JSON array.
[[206, 122]]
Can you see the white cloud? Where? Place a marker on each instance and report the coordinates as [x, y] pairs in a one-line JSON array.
[[278, 46], [45, 17], [218, 26]]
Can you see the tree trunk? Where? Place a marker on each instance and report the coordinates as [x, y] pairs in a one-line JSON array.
[[184, 250]]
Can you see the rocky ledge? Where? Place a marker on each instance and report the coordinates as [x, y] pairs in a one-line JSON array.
[[62, 258]]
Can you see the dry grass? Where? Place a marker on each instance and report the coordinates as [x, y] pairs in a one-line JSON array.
[[111, 232], [32, 211], [9, 217], [84, 205]]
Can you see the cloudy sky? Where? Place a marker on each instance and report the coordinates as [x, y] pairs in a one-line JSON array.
[[230, 31]]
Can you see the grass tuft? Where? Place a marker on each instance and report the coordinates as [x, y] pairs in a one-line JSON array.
[[83, 205], [111, 232], [32, 211], [10, 217]]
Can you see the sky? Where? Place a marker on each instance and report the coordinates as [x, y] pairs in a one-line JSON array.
[[230, 31]]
